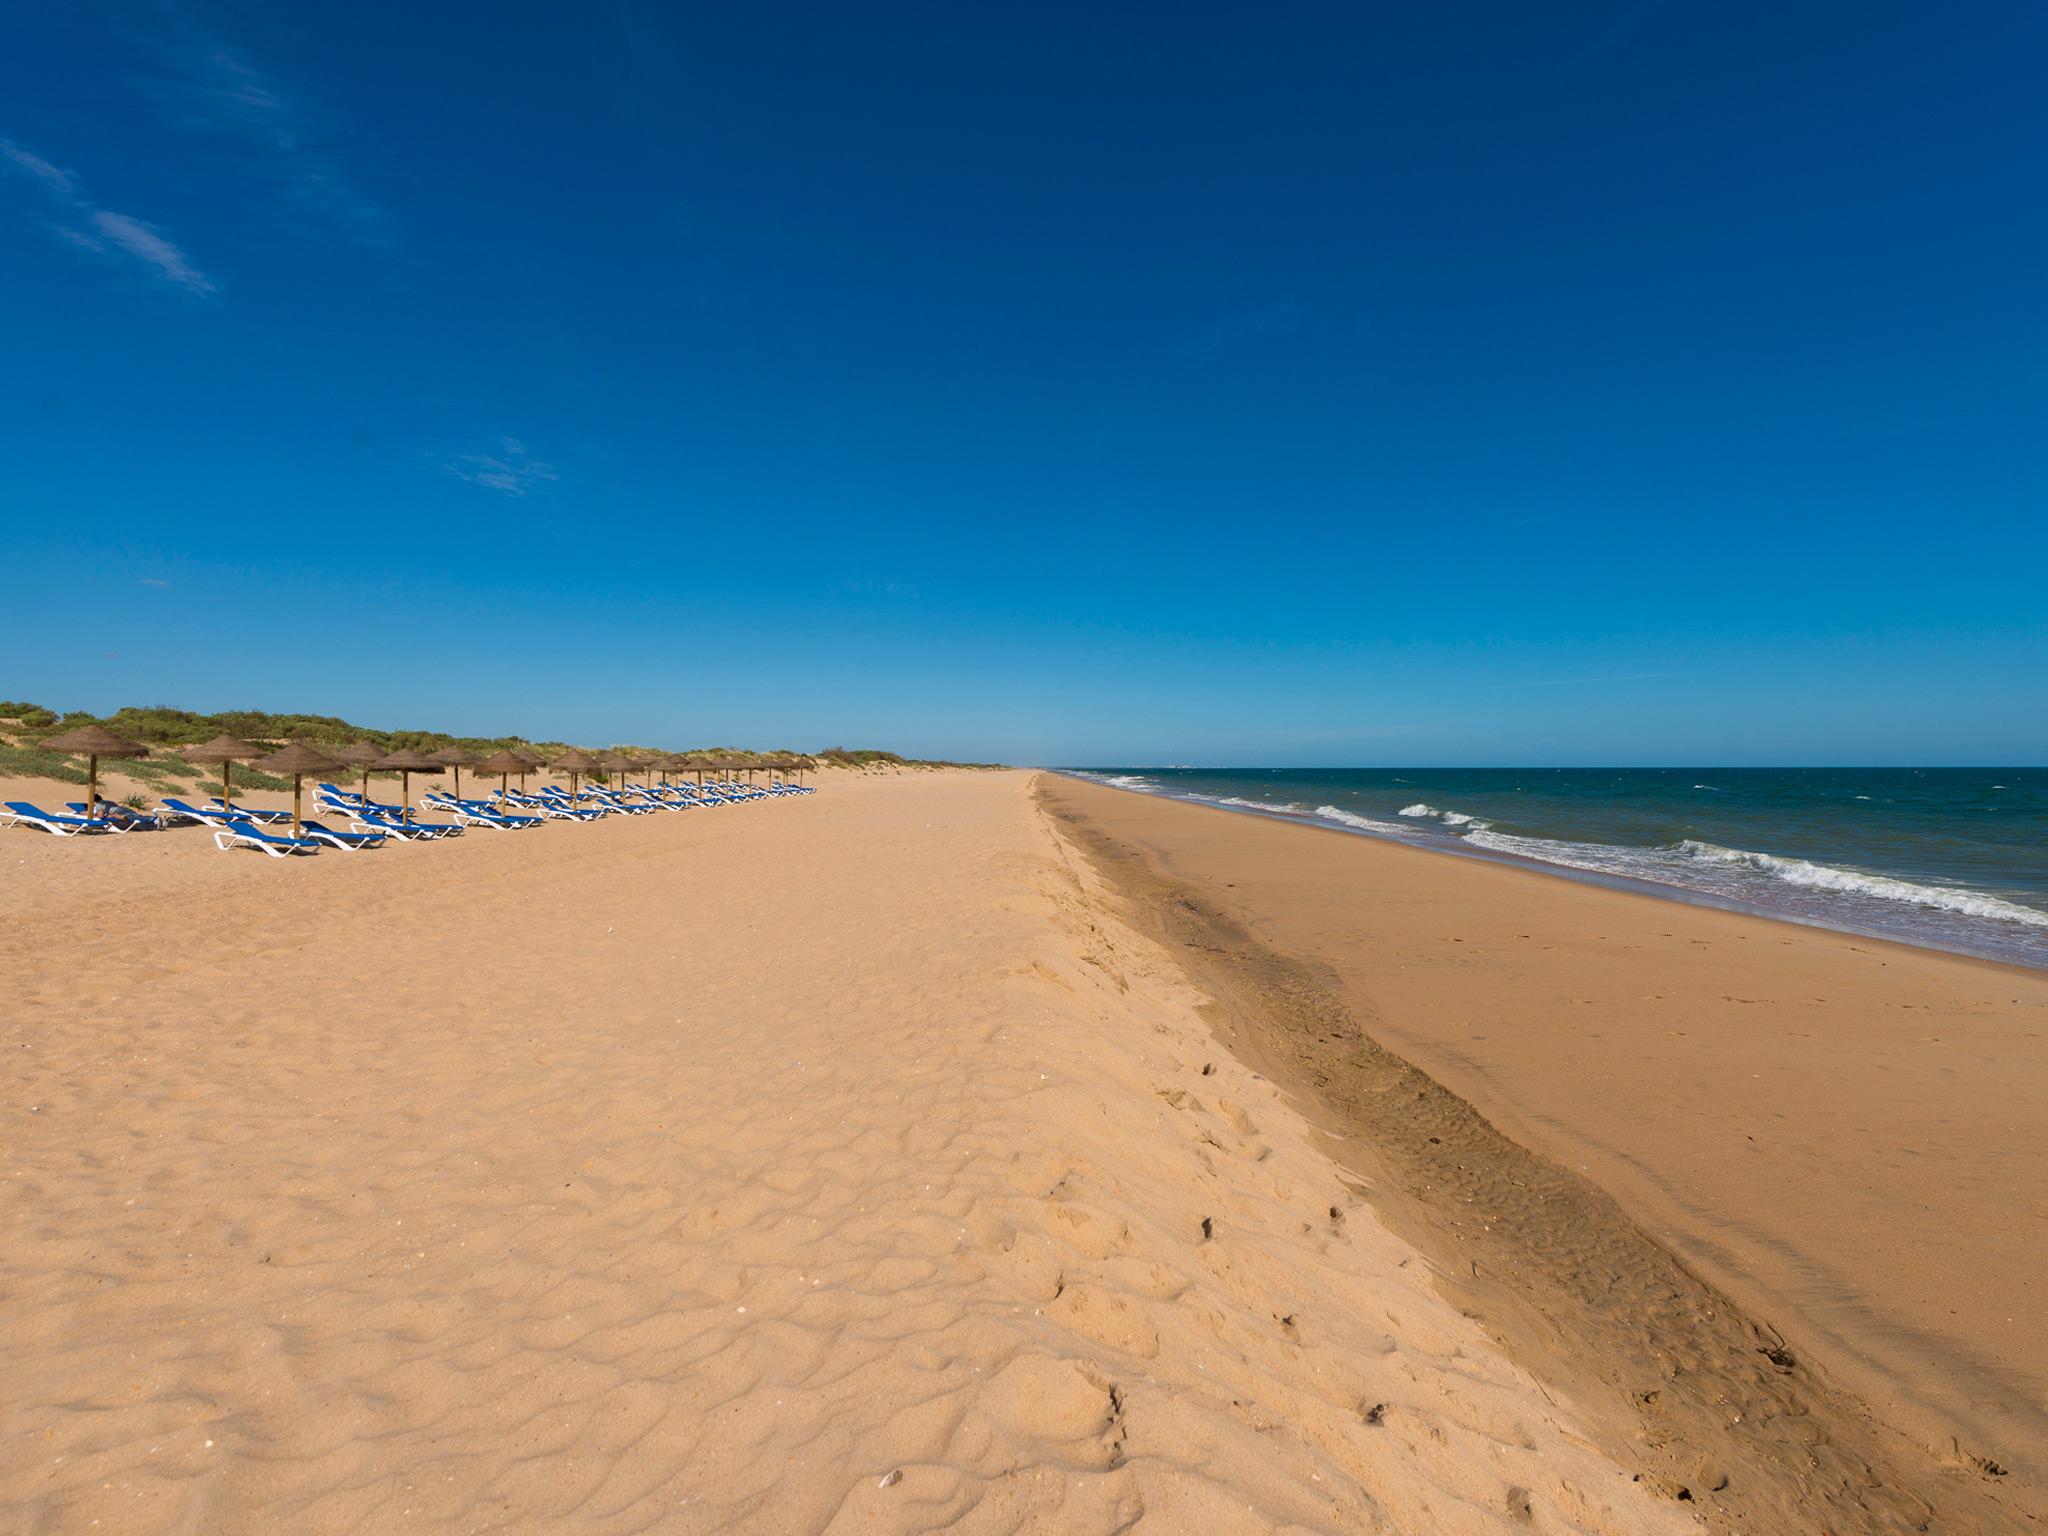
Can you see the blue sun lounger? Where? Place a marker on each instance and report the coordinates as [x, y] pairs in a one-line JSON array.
[[205, 816], [348, 800], [353, 842], [407, 831], [247, 812], [120, 817], [20, 813], [479, 813], [246, 834]]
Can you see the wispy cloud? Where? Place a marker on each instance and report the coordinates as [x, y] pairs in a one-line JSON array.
[[287, 136], [77, 219], [509, 469], [154, 581]]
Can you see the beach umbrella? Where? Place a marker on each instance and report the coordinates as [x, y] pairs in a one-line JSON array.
[[95, 742], [458, 759], [504, 765], [406, 762], [358, 754], [621, 763], [225, 750], [575, 764], [673, 763], [298, 760]]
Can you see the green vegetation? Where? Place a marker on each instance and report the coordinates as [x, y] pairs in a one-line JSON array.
[[23, 728], [870, 757], [34, 763]]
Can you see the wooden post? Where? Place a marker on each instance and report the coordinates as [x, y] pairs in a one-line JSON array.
[[227, 797], [92, 783], [298, 790]]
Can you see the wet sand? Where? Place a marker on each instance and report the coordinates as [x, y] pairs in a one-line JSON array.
[[1847, 1139], [827, 1165]]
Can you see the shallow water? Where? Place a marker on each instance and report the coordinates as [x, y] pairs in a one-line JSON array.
[[1952, 858]]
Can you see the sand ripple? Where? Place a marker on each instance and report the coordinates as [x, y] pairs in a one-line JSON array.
[[837, 1165]]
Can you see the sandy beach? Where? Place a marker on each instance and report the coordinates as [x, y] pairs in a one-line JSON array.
[[1847, 1138], [837, 1164]]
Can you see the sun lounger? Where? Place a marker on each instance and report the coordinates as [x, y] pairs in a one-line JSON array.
[[556, 810], [206, 816], [353, 842], [409, 831], [246, 834], [348, 799], [474, 813], [247, 812], [20, 813], [120, 817]]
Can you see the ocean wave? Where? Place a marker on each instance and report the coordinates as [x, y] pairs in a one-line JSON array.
[[1419, 810], [1361, 823], [1285, 806], [1125, 780], [1732, 873], [1826, 877]]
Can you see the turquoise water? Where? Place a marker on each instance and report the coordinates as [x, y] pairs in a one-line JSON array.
[[1953, 858]]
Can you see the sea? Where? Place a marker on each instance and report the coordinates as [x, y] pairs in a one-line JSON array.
[[1947, 858]]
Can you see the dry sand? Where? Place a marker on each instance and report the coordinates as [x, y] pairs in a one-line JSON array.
[[833, 1164], [1847, 1138]]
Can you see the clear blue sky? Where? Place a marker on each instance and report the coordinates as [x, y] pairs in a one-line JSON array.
[[1467, 383]]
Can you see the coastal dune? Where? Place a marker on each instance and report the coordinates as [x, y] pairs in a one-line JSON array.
[[842, 1164]]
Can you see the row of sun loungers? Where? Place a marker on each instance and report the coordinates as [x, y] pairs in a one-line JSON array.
[[373, 823]]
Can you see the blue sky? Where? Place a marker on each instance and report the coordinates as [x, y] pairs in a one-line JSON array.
[[1479, 383]]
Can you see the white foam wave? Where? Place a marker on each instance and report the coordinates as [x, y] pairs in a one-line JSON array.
[[1826, 877], [1419, 810], [1361, 823], [1285, 806]]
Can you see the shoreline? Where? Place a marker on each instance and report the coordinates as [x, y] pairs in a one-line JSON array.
[[1635, 885], [1382, 974]]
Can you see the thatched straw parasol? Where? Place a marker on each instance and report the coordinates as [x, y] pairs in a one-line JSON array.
[[359, 754], [298, 760], [457, 758], [621, 763], [504, 765], [406, 762], [575, 764], [225, 750], [671, 763], [95, 742]]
